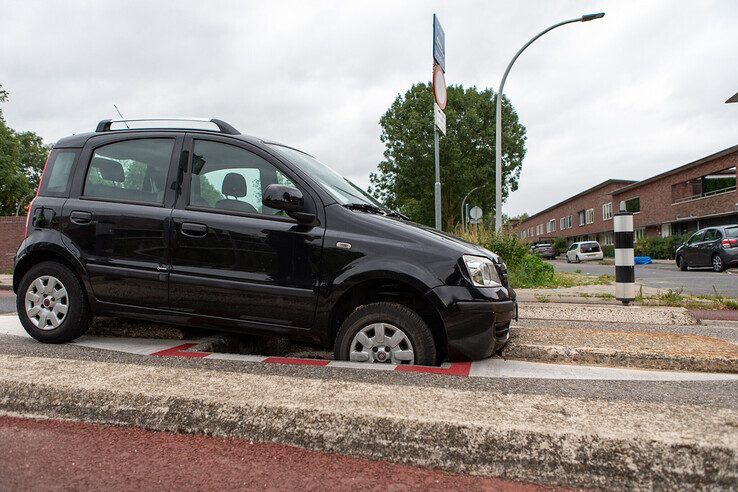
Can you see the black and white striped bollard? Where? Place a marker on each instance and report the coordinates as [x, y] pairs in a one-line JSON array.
[[624, 261]]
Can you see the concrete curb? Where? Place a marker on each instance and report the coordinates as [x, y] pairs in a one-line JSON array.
[[633, 349], [615, 358], [606, 313], [539, 438]]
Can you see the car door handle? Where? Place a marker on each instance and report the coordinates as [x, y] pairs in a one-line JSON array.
[[80, 218], [194, 230]]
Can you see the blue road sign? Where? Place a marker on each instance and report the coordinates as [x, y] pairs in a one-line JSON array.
[[439, 43]]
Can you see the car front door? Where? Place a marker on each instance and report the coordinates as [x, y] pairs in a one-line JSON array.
[[117, 217], [231, 256], [709, 245], [690, 248]]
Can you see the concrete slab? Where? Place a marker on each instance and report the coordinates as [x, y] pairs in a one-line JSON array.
[[606, 313]]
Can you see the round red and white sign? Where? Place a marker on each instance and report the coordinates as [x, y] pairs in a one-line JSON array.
[[439, 86]]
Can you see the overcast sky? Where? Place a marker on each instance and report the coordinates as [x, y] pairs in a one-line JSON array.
[[628, 96]]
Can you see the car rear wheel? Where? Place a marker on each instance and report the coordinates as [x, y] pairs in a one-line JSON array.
[[385, 333], [682, 264], [717, 263], [52, 304]]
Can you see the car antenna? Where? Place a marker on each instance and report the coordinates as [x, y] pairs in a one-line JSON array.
[[121, 116]]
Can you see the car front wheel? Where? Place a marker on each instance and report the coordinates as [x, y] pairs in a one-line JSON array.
[[51, 303], [385, 333], [682, 264]]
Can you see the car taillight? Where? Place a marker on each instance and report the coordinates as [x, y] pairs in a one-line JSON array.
[[28, 218], [729, 243], [30, 205]]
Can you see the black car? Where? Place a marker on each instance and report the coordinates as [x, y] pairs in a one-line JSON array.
[[544, 250], [214, 229], [715, 247]]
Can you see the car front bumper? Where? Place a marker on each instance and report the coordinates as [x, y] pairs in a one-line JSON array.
[[476, 326]]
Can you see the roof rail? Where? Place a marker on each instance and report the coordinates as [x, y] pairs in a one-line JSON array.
[[223, 127]]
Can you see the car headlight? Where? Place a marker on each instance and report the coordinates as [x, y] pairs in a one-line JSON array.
[[482, 271]]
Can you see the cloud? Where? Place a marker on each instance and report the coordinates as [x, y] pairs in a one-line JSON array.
[[628, 96]]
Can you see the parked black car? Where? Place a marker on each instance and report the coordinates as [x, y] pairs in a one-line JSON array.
[[544, 250], [215, 229], [714, 246]]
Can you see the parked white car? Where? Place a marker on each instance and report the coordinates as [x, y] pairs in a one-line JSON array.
[[584, 251]]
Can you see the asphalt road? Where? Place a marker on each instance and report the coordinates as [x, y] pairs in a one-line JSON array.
[[39, 455], [7, 301], [666, 276]]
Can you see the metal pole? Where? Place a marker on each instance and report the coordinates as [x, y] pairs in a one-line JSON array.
[[438, 180], [498, 117]]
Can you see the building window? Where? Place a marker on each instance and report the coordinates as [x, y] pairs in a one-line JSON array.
[[565, 222], [607, 211], [639, 234], [581, 217], [530, 231], [607, 239], [590, 215], [633, 205], [551, 227]]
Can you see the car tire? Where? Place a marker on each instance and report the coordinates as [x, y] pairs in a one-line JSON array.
[[52, 304], [359, 341], [567, 259], [718, 265], [682, 264]]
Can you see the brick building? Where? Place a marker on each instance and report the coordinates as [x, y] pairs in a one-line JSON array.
[[684, 199], [11, 235]]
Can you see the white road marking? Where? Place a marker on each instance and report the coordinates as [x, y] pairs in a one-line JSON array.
[[488, 368]]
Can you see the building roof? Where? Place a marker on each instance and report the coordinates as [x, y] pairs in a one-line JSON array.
[[578, 195], [679, 169]]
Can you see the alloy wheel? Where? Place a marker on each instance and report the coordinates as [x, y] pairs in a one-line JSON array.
[[381, 343], [717, 263], [47, 303]]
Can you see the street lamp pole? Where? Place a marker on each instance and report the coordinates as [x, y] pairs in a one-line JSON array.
[[463, 203], [498, 115]]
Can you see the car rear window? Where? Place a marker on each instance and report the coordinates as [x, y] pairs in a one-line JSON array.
[[58, 172], [731, 232], [590, 247]]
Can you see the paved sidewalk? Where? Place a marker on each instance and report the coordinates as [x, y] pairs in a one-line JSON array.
[[6, 282]]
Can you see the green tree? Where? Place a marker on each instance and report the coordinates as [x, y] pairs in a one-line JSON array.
[[405, 178], [22, 158]]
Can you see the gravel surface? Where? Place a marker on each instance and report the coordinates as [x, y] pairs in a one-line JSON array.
[[46, 454]]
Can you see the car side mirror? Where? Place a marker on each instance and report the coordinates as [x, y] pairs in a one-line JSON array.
[[288, 199]]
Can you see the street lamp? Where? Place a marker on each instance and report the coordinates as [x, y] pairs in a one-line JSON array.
[[498, 116], [463, 203]]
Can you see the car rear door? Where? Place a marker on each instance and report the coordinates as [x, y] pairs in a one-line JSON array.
[[232, 257], [117, 217]]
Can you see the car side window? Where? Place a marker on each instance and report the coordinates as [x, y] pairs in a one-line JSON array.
[[573, 247], [226, 177], [710, 235], [696, 237], [131, 170]]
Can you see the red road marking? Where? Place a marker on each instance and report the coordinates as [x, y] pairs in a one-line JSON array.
[[456, 369], [179, 351], [296, 361]]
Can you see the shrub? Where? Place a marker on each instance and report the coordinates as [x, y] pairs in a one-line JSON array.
[[560, 245], [608, 251], [525, 269], [661, 248]]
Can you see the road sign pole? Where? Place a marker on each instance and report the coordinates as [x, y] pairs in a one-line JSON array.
[[438, 179]]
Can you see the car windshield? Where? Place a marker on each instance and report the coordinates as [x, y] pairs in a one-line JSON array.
[[343, 190]]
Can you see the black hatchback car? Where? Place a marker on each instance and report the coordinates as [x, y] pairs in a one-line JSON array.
[[715, 247], [214, 229]]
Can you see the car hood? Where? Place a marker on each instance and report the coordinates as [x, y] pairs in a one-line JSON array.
[[424, 236]]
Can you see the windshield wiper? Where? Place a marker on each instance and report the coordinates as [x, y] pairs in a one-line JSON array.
[[367, 207]]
